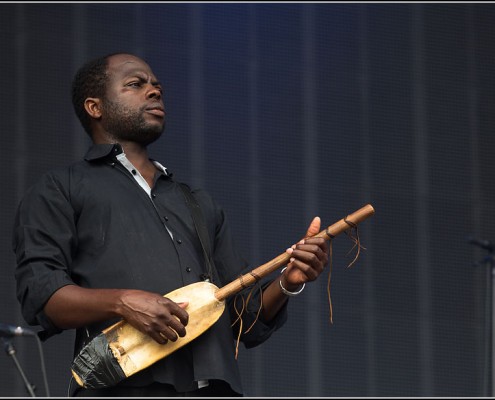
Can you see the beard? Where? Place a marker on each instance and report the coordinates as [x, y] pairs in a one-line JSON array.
[[127, 124]]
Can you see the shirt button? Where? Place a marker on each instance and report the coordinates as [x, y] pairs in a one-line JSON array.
[[165, 218], [153, 195], [188, 269], [179, 241], [134, 172]]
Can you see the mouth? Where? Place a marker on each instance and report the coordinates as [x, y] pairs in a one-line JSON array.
[[156, 110]]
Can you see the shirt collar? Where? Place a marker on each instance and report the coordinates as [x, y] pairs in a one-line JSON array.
[[111, 150], [101, 151], [161, 168]]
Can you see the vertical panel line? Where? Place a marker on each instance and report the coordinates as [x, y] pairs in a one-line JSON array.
[[421, 179], [196, 94], [79, 53], [254, 170], [486, 350], [309, 139], [369, 293]]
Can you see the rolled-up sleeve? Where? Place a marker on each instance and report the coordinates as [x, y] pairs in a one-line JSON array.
[[43, 241], [255, 330]]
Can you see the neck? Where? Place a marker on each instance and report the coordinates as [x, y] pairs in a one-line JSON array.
[[138, 156]]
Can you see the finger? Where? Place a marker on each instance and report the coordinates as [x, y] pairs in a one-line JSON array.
[[178, 310], [312, 258], [318, 241], [183, 304], [168, 334], [314, 227], [309, 249], [177, 326], [158, 337], [183, 317], [310, 272]]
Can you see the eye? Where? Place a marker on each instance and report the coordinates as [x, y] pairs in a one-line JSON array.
[[134, 84]]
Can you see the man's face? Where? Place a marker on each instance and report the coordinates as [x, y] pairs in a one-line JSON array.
[[133, 108]]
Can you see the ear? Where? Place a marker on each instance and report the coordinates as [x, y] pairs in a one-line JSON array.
[[93, 107]]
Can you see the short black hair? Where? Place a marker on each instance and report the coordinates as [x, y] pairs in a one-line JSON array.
[[90, 81]]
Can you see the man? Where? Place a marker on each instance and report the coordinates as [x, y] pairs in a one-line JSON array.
[[105, 238]]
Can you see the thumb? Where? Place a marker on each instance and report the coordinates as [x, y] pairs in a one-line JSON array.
[[183, 304], [314, 227]]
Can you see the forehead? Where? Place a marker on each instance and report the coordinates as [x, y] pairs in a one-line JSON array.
[[121, 65]]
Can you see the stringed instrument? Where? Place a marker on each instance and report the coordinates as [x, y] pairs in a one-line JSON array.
[[121, 350]]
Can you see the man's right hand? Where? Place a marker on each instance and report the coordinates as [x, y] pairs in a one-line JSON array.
[[155, 315], [73, 306]]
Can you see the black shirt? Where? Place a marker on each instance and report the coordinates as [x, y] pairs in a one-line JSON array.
[[93, 225]]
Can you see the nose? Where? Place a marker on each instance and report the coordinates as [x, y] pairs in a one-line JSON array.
[[154, 93]]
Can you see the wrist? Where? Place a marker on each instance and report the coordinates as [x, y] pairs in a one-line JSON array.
[[289, 289]]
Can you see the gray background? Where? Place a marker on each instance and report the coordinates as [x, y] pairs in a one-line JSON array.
[[283, 112]]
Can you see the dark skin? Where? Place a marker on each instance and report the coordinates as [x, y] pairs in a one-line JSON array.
[[132, 114]]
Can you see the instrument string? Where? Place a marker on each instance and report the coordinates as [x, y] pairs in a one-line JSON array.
[[245, 302]]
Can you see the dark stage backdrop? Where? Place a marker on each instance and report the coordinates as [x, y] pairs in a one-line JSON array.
[[284, 112]]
